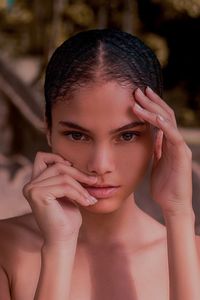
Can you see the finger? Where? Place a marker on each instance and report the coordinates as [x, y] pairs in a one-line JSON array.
[[145, 114], [46, 195], [171, 133], [148, 116], [63, 179], [61, 168], [42, 160], [158, 100], [149, 105]]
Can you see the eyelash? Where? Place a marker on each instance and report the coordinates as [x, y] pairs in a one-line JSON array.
[[135, 133]]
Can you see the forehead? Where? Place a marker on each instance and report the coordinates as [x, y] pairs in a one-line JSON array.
[[104, 105], [97, 97]]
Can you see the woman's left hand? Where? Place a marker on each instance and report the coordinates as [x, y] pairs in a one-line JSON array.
[[171, 178]]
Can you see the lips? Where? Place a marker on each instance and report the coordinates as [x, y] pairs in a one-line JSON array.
[[102, 192]]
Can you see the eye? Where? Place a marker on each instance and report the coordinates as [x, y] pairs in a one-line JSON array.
[[75, 135], [130, 135]]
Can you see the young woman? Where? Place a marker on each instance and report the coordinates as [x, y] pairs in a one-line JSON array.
[[86, 239]]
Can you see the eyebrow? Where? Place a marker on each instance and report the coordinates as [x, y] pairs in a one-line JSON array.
[[127, 126]]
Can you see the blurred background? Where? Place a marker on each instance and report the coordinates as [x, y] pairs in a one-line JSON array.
[[29, 33]]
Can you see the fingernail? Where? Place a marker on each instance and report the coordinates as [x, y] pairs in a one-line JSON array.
[[149, 89], [138, 107], [161, 118], [92, 200], [139, 91]]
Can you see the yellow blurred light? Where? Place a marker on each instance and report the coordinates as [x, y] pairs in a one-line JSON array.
[[3, 4], [191, 7]]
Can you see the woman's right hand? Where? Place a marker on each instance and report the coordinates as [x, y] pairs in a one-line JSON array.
[[54, 193]]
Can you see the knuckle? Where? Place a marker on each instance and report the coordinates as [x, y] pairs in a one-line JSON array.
[[184, 147], [39, 154], [180, 141], [25, 189], [35, 196], [172, 114], [80, 196], [83, 196], [65, 186], [171, 111], [34, 193], [65, 178], [59, 166]]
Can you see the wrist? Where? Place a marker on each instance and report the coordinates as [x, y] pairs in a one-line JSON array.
[[179, 215], [178, 210], [59, 246]]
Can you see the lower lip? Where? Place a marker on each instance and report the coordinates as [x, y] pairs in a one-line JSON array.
[[101, 192]]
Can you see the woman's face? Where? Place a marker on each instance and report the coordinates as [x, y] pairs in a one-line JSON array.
[[119, 157]]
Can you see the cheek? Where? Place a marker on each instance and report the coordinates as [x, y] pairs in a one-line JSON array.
[[135, 163], [68, 151]]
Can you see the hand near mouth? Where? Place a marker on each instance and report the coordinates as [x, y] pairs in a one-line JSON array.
[[54, 193]]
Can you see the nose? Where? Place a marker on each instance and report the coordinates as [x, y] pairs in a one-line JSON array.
[[101, 160]]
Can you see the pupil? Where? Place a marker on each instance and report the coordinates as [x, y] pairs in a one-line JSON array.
[[129, 136], [76, 135]]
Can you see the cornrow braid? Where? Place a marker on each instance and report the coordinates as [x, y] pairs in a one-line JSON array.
[[99, 55]]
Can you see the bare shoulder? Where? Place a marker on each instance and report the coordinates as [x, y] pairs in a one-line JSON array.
[[18, 235], [20, 255]]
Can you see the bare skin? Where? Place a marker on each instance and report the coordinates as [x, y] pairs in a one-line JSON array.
[[120, 252], [101, 270]]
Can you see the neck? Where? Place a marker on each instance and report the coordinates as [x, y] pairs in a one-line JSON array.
[[127, 225]]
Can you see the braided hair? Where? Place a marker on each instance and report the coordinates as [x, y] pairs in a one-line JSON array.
[[99, 55]]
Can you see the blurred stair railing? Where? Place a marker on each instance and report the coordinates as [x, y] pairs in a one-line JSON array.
[[21, 96]]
